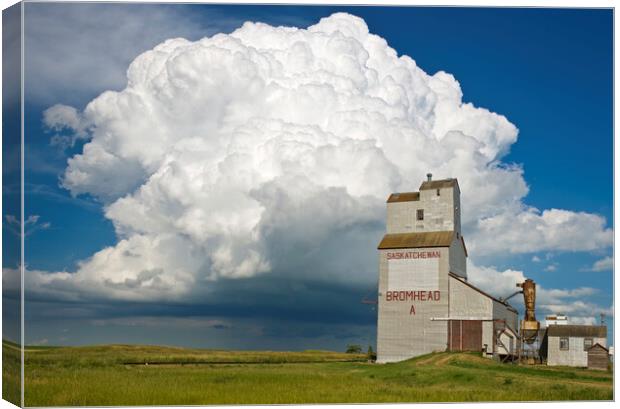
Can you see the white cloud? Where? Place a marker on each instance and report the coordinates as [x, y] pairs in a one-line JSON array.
[[578, 310], [604, 264], [552, 267], [530, 230], [240, 154], [583, 320], [576, 302], [60, 118], [536, 259]]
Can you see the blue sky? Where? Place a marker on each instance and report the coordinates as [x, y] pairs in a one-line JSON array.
[[549, 71]]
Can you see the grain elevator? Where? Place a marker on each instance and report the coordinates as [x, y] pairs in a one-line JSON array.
[[425, 302]]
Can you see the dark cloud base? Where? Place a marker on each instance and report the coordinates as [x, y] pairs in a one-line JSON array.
[[262, 312]]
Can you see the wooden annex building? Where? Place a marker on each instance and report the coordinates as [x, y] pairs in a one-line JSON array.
[[598, 357]]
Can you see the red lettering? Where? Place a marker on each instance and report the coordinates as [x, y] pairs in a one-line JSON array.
[[411, 295], [413, 255]]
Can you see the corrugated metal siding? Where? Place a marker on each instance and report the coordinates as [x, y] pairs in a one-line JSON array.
[[465, 282], [439, 213], [500, 311], [458, 259], [456, 210], [509, 339], [467, 302], [487, 337], [401, 335]]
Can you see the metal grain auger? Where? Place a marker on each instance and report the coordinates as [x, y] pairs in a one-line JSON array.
[[529, 325]]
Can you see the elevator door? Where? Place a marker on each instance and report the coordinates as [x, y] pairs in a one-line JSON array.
[[465, 335]]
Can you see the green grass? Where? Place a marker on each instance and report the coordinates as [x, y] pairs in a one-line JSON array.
[[11, 364], [101, 376]]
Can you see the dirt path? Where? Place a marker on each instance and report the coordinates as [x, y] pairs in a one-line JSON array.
[[435, 360]]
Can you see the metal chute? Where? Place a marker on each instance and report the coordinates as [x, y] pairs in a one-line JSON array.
[[529, 324]]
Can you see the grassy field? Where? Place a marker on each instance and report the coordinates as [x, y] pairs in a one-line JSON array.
[[11, 361], [143, 375]]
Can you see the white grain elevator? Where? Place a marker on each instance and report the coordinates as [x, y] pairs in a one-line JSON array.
[[425, 302]]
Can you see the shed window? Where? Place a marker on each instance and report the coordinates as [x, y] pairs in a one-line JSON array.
[[420, 214], [587, 343], [564, 344]]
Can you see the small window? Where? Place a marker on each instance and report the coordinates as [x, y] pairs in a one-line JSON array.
[[564, 344], [587, 343], [420, 214], [438, 193]]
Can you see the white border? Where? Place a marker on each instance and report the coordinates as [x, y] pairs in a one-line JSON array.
[[457, 3], [22, 231]]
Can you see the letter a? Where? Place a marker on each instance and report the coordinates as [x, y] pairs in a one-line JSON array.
[[412, 310]]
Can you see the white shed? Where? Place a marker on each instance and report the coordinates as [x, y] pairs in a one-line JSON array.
[[568, 345]]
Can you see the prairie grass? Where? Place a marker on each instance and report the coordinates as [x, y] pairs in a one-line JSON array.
[[149, 375], [11, 364]]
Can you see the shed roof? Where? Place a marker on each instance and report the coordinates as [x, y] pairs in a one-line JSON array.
[[404, 197], [416, 240], [598, 331], [597, 345], [439, 184]]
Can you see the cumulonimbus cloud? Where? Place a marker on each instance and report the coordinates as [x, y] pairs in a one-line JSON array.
[[219, 148]]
